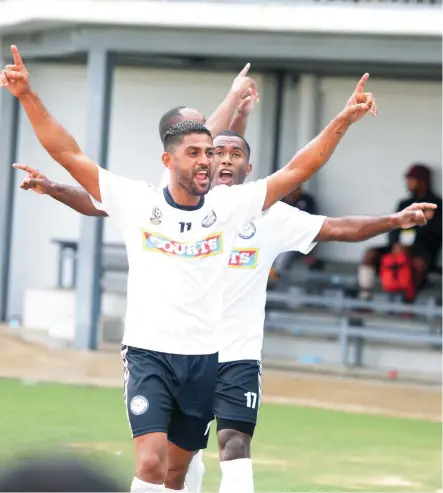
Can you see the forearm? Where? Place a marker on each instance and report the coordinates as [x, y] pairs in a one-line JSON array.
[[222, 117], [357, 228], [314, 155], [76, 198], [240, 122], [53, 137], [60, 144]]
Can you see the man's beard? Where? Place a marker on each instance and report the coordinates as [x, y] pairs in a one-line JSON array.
[[187, 182]]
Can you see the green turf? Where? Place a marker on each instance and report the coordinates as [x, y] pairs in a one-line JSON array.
[[295, 449]]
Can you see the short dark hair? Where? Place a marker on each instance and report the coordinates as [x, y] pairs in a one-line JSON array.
[[170, 118], [175, 134], [231, 133]]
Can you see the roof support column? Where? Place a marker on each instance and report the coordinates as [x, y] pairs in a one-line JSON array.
[[88, 275], [9, 112]]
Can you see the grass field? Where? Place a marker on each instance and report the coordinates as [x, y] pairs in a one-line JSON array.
[[295, 449]]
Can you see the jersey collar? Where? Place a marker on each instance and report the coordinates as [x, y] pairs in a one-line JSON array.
[[173, 203]]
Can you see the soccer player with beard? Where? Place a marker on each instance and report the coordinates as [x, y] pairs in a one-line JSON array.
[[178, 241], [281, 228]]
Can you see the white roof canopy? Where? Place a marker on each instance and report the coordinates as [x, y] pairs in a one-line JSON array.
[[304, 17]]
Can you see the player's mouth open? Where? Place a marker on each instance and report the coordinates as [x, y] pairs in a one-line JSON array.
[[202, 177], [225, 176]]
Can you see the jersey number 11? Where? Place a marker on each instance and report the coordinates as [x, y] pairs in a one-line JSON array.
[[185, 227]]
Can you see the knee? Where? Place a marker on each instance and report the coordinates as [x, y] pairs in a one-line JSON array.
[[370, 257], [151, 468], [234, 445], [420, 271], [419, 264], [175, 478]]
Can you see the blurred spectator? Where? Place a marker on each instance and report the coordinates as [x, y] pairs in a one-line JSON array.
[[55, 473], [422, 244], [306, 203], [302, 200]]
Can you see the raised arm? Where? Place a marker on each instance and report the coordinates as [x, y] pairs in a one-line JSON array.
[[313, 156], [361, 228], [240, 121], [244, 89], [76, 198], [61, 146]]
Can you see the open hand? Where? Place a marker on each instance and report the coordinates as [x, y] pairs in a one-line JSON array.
[[360, 102], [35, 180], [15, 77], [417, 214]]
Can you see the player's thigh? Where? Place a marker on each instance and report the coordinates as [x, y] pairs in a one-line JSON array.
[[237, 395], [148, 397], [191, 421]]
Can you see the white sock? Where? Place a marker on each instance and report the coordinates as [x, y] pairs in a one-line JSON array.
[[139, 486], [366, 278], [196, 471], [237, 476]]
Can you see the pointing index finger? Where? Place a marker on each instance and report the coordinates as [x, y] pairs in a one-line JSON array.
[[361, 85], [423, 205], [16, 56], [23, 167], [245, 70]]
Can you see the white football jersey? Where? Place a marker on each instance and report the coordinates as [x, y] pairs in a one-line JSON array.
[[280, 229], [177, 259]]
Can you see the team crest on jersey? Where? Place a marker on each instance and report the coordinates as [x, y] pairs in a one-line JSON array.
[[244, 258], [156, 216], [210, 219], [206, 247], [248, 231]]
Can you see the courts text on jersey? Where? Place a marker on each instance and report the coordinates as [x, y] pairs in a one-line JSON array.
[[244, 258], [208, 246]]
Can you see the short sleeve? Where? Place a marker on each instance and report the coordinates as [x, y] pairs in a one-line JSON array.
[[295, 230], [244, 202], [120, 197]]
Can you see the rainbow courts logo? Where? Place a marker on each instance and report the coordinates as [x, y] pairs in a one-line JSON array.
[[209, 246], [245, 258]]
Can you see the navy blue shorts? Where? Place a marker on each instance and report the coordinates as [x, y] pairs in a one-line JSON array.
[[171, 393], [237, 395]]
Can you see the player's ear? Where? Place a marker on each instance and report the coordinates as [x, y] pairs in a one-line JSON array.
[[249, 169], [167, 159]]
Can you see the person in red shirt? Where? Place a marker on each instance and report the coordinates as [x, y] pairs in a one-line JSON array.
[[422, 245]]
